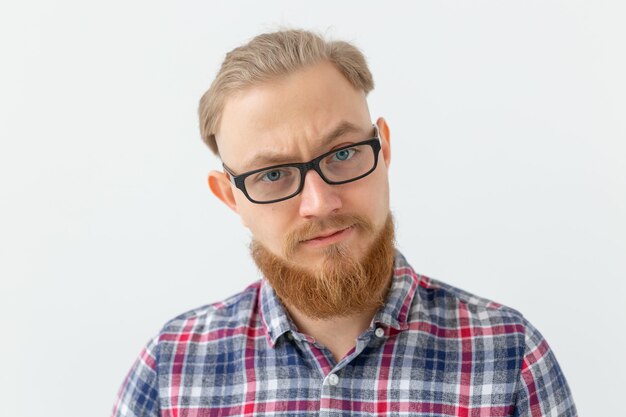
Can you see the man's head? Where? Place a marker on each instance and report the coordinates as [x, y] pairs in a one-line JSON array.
[[289, 97]]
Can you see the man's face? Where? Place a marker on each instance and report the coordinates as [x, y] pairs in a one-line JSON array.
[[292, 119]]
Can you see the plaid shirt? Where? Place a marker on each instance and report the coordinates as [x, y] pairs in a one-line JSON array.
[[431, 350]]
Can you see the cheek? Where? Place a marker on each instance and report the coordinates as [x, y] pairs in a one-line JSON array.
[[372, 198], [381, 187], [266, 225]]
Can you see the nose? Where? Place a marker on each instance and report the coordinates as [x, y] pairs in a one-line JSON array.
[[318, 199]]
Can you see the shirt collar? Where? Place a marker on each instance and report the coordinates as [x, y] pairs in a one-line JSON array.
[[273, 314], [393, 314]]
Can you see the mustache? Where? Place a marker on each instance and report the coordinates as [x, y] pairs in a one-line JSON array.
[[315, 227]]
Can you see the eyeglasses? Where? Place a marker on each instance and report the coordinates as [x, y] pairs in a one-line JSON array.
[[280, 182]]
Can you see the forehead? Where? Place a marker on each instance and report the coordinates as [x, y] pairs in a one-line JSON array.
[[292, 116]]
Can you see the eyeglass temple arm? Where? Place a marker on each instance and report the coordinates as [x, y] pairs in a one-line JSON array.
[[230, 174]]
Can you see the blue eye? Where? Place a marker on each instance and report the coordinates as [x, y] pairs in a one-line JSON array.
[[272, 176], [344, 154]]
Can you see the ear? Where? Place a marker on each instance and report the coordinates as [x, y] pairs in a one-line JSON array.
[[385, 139], [222, 188]]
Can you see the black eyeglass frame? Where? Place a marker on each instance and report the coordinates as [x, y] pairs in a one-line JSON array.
[[304, 167]]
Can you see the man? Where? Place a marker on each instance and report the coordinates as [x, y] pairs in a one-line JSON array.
[[341, 324]]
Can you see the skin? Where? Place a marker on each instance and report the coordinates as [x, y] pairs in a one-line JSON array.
[[289, 117]]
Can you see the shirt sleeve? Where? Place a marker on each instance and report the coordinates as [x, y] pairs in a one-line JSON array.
[[542, 388], [138, 396]]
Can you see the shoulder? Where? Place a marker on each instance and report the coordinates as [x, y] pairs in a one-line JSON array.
[[445, 299], [451, 309], [460, 319], [225, 317]]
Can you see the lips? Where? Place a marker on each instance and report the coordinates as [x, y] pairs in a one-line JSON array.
[[327, 234]]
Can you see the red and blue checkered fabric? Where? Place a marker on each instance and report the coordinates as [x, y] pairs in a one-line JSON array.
[[432, 350]]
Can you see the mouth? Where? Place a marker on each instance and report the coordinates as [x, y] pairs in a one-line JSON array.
[[329, 237]]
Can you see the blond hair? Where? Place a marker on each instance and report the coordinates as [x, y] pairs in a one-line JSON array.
[[272, 55]]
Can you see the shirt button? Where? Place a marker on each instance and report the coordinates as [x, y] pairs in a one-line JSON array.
[[380, 332], [333, 379]]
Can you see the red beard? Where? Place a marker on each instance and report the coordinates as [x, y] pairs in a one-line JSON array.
[[343, 285]]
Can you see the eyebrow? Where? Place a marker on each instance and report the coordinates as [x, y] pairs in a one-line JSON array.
[[271, 158]]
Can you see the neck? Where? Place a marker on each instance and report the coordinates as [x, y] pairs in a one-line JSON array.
[[337, 334]]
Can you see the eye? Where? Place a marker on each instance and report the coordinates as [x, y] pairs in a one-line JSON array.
[[272, 176], [343, 155]]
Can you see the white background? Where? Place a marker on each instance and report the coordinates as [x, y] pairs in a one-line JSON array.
[[508, 174]]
